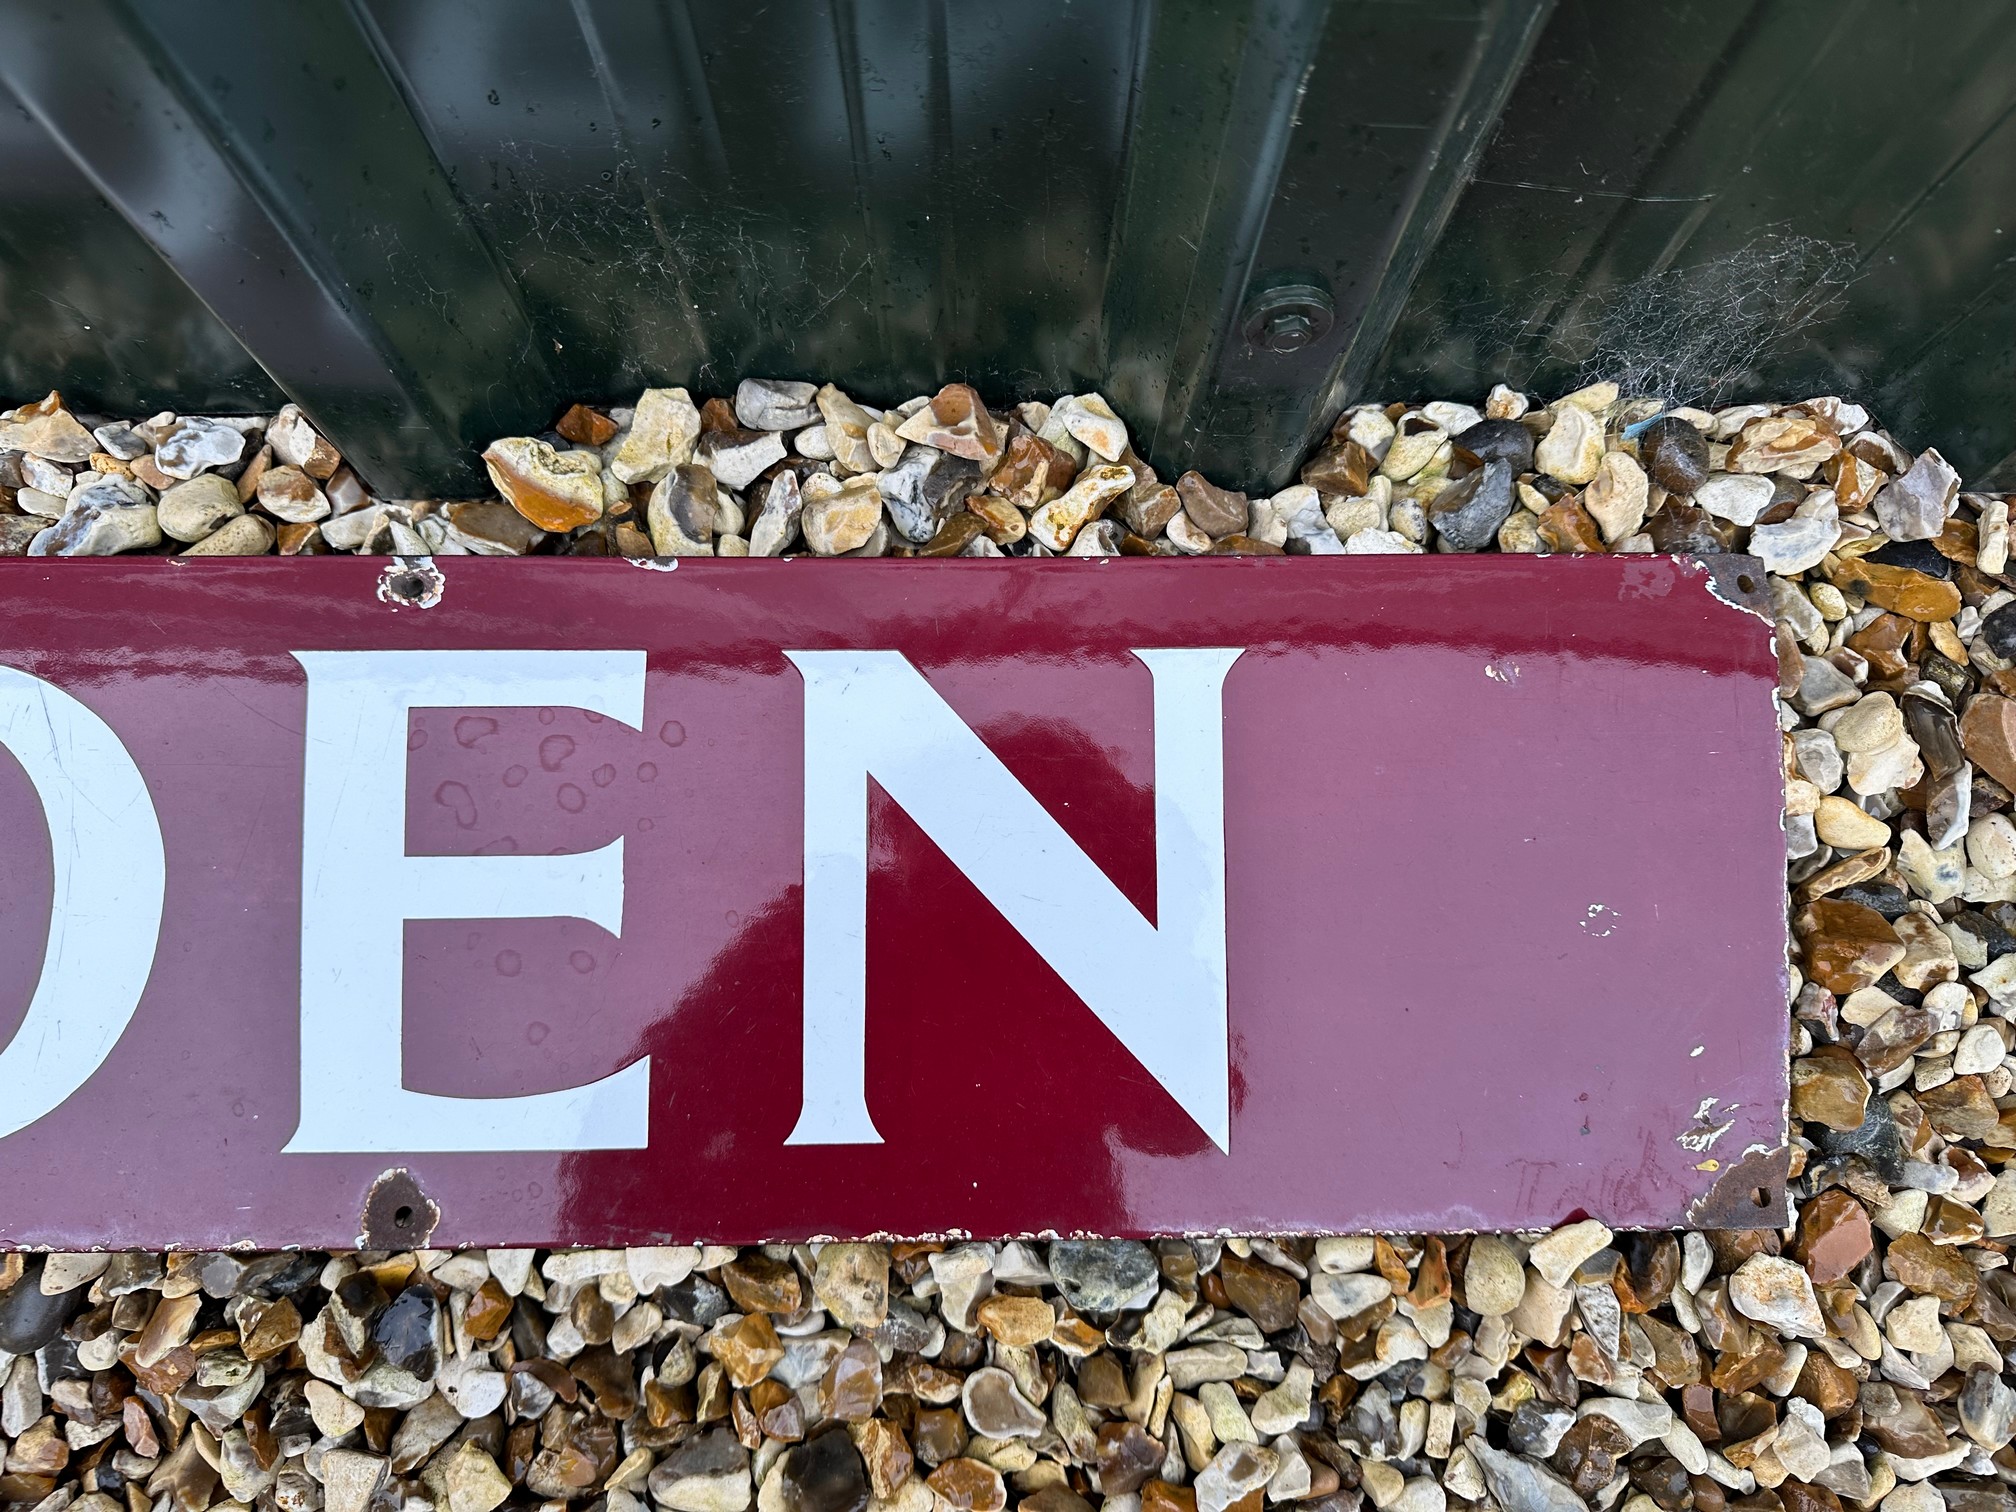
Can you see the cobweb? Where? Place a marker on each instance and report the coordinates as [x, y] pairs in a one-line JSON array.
[[1699, 333]]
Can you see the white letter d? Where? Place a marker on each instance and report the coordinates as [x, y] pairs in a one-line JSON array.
[[105, 920]]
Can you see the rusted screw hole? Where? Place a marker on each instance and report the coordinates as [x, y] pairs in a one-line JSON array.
[[411, 583], [1761, 1197], [1749, 585], [397, 1212]]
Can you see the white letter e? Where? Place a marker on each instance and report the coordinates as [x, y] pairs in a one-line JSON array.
[[359, 887]]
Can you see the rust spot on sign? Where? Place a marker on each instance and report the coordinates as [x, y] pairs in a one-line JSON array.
[[397, 1214], [1740, 581], [1749, 1194]]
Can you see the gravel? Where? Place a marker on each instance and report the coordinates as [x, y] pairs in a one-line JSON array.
[[1860, 1356]]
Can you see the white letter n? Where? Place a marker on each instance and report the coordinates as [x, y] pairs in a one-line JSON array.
[[1159, 988]]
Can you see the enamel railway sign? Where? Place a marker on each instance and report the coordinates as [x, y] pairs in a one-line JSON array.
[[592, 902]]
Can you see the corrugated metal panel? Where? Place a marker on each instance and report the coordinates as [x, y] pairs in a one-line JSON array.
[[433, 221], [1798, 197], [85, 303]]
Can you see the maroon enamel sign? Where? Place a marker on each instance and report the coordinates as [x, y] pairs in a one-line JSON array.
[[601, 903]]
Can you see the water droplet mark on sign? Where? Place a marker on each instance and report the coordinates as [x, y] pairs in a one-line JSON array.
[[456, 797], [471, 728]]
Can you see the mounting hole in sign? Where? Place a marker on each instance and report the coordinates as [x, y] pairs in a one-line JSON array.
[[403, 1216]]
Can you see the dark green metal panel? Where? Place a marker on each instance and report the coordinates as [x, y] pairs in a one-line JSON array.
[[275, 167], [86, 304], [1760, 222], [435, 221], [1209, 134], [1373, 167], [888, 194]]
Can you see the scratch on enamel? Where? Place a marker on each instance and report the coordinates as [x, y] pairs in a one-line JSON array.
[[1701, 1138]]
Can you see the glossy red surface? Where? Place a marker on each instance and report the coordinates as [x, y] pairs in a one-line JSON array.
[[1504, 870]]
